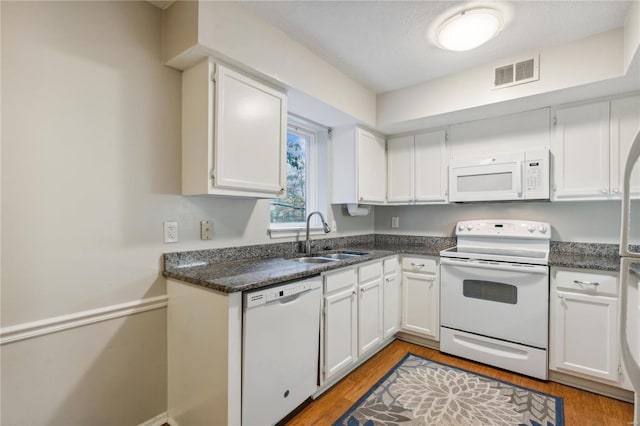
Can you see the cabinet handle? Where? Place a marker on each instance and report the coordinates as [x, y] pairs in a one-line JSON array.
[[604, 190], [580, 282], [562, 299], [616, 190], [354, 293], [389, 279], [417, 265]]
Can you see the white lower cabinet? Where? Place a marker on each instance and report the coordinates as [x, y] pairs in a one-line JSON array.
[[392, 296], [421, 297], [340, 327], [356, 316], [584, 325], [370, 296]]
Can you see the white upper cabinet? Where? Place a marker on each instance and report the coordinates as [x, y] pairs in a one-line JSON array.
[[431, 167], [400, 169], [625, 122], [580, 148], [359, 167], [417, 168], [234, 133], [590, 146]]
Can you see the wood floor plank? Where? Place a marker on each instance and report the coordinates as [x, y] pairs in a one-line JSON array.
[[581, 407]]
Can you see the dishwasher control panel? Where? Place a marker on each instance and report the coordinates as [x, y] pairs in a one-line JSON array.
[[271, 294]]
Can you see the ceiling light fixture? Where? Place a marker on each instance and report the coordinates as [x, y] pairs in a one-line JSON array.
[[468, 29]]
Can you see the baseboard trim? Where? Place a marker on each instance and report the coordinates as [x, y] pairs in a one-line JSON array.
[[28, 330], [158, 420]]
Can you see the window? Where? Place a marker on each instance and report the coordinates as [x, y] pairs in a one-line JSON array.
[[291, 212]]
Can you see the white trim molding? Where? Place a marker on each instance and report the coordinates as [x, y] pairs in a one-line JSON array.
[[158, 420], [28, 330]]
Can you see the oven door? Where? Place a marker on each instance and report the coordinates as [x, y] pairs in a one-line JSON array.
[[501, 300]]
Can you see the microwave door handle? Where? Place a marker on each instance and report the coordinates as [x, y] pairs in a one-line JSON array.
[[518, 178]]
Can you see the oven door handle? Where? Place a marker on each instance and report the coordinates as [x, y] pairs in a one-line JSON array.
[[478, 264]]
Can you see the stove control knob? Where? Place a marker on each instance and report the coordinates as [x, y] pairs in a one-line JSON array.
[[461, 226], [542, 228], [531, 228], [469, 226]]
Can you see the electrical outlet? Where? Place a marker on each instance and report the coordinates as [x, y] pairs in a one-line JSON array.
[[334, 226], [170, 232], [395, 222], [206, 230]]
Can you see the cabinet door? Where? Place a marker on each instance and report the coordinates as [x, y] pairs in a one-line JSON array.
[[431, 167], [400, 170], [250, 125], [340, 328], [421, 305], [584, 335], [369, 315], [392, 295], [580, 149], [372, 166], [625, 122]]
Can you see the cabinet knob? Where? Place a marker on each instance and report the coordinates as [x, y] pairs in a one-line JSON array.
[[604, 190], [616, 190]]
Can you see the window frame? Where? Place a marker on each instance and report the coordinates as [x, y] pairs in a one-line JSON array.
[[311, 131]]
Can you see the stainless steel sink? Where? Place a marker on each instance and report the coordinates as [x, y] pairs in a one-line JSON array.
[[341, 256], [314, 259]]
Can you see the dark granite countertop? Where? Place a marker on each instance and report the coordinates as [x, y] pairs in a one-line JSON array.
[[242, 275], [244, 268], [585, 261]]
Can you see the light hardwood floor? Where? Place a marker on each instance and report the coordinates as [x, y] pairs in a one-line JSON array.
[[580, 407]]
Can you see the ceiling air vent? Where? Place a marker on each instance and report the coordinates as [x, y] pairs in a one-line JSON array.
[[518, 72], [504, 75]]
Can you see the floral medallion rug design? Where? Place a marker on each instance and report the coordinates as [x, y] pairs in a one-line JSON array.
[[419, 391]]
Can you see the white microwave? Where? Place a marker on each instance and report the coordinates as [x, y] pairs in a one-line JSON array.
[[521, 175]]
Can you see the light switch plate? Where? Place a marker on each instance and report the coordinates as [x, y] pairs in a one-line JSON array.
[[395, 222], [206, 230], [170, 232]]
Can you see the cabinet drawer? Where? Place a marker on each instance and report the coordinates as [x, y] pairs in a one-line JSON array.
[[419, 264], [592, 282], [339, 279], [391, 265], [369, 271]]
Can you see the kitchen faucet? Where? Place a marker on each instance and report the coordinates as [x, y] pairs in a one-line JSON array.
[[325, 227]]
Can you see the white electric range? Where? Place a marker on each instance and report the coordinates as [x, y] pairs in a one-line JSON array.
[[495, 295]]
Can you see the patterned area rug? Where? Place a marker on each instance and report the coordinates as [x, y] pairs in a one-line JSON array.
[[418, 391]]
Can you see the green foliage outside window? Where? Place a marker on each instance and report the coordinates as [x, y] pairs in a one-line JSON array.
[[293, 207]]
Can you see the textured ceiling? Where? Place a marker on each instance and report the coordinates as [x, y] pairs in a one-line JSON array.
[[383, 44]]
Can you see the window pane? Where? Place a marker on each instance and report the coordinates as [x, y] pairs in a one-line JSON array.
[[293, 207]]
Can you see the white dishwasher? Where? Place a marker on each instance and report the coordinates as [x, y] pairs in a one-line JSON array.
[[281, 327]]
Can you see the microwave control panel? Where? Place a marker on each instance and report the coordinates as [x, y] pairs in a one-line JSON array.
[[536, 175]]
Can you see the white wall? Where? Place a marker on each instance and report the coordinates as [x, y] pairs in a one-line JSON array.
[[90, 169], [234, 34], [588, 221], [568, 72]]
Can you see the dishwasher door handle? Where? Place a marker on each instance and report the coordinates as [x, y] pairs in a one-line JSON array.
[[286, 300]]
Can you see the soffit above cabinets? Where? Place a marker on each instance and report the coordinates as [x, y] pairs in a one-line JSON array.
[[383, 44]]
